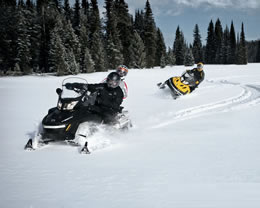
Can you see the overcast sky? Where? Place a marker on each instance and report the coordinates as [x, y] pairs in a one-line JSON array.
[[168, 14]]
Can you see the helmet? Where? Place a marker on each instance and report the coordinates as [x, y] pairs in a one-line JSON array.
[[200, 66], [113, 80], [122, 70]]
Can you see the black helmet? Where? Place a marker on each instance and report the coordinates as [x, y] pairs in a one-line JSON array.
[[113, 80]]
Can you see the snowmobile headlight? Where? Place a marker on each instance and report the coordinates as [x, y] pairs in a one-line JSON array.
[[70, 106]]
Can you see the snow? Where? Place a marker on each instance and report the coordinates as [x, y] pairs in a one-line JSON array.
[[201, 150]]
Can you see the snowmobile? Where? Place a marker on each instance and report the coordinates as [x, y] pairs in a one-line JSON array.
[[62, 122], [180, 85]]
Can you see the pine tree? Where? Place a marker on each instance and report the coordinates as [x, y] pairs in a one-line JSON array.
[[160, 54], [170, 57], [97, 52], [218, 41], [113, 42], [149, 36], [139, 51], [125, 29], [258, 52], [87, 63], [76, 17], [23, 41], [71, 41], [210, 45], [179, 47], [85, 7], [8, 35], [72, 62], [58, 55], [67, 10], [96, 42], [139, 23], [197, 45], [189, 59], [233, 44], [225, 47], [242, 49]]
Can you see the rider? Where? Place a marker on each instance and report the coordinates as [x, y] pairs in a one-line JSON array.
[[122, 70], [109, 97], [196, 73]]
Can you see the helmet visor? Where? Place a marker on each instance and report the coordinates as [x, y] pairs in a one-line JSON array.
[[112, 83], [200, 66], [122, 71]]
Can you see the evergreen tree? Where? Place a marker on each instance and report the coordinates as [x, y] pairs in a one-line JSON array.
[[179, 47], [87, 63], [218, 41], [125, 29], [233, 44], [97, 52], [67, 10], [160, 54], [76, 17], [8, 35], [113, 42], [210, 45], [29, 4], [85, 7], [23, 42], [149, 36], [170, 57], [139, 51], [258, 52], [242, 49], [225, 47], [197, 45], [58, 55], [71, 42], [96, 42], [189, 59], [74, 67], [139, 23]]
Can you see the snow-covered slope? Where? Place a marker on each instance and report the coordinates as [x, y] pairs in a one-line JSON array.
[[202, 150]]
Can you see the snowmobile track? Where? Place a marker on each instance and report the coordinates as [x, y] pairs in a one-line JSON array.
[[249, 96]]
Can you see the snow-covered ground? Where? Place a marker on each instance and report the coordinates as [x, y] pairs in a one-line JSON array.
[[202, 150]]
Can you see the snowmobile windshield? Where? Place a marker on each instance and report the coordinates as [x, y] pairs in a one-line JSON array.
[[69, 98], [70, 94]]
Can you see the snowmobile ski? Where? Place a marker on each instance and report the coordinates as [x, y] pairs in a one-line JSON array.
[[29, 145], [85, 149]]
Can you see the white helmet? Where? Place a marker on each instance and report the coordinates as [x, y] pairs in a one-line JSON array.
[[122, 70]]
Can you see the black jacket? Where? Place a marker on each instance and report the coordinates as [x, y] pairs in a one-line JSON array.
[[198, 75], [108, 99]]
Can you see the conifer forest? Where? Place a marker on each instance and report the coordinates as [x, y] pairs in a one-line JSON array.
[[52, 36]]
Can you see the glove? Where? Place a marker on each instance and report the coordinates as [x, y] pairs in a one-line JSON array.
[[69, 86]]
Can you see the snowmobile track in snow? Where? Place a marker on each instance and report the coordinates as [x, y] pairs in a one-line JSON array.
[[249, 96]]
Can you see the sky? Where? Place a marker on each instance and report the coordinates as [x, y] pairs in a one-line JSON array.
[[168, 14]]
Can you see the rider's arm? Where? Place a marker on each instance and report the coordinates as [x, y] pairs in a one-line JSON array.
[[95, 87]]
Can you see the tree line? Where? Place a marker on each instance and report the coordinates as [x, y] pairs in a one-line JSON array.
[[51, 36]]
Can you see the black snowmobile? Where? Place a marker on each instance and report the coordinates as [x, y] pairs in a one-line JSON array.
[[181, 85], [61, 122]]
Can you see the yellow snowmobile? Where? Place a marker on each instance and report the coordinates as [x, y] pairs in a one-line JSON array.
[[181, 85]]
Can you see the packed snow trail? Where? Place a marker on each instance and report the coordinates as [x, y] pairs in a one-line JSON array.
[[249, 96]]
